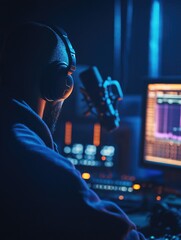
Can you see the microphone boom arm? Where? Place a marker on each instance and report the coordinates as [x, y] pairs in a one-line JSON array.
[[102, 95]]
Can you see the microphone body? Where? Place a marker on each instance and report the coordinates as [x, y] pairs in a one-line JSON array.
[[103, 96]]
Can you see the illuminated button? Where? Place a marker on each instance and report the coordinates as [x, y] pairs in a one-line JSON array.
[[130, 189], [77, 148], [90, 150], [124, 189], [121, 197], [103, 158], [108, 151], [86, 176], [108, 164], [136, 186], [73, 161], [67, 149], [79, 156], [158, 198], [152, 237]]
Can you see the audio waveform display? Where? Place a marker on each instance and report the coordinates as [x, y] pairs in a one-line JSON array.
[[168, 117], [163, 124]]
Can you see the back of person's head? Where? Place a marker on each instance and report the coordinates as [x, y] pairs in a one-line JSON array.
[[36, 56]]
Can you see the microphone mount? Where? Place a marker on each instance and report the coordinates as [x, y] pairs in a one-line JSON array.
[[102, 97]]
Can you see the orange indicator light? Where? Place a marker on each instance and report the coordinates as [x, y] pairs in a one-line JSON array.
[[86, 176], [97, 134], [68, 133], [158, 198], [121, 197], [136, 186]]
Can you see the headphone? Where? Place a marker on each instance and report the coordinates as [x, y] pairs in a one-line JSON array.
[[57, 82]]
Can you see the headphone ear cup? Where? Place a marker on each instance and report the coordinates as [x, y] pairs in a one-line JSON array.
[[56, 84]]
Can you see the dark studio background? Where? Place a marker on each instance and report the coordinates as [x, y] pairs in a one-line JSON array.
[[90, 27]]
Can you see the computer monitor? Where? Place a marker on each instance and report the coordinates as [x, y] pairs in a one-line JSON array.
[[161, 135]]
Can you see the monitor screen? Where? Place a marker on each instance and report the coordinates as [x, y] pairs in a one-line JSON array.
[[162, 124]]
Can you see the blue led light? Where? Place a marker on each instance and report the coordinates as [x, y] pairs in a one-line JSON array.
[[77, 148], [117, 38], [154, 40], [90, 150], [108, 151], [67, 149]]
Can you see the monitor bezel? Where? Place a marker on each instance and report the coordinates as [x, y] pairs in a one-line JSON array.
[[160, 80]]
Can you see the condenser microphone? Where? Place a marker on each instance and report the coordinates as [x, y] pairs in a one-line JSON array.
[[102, 95]]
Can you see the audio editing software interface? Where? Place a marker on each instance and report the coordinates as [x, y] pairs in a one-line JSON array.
[[163, 125]]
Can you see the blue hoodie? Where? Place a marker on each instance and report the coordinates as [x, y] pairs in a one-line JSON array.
[[42, 194]]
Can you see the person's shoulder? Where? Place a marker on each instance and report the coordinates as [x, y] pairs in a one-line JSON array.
[[25, 136], [33, 146]]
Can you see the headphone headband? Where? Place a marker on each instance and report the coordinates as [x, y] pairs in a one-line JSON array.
[[70, 51]]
